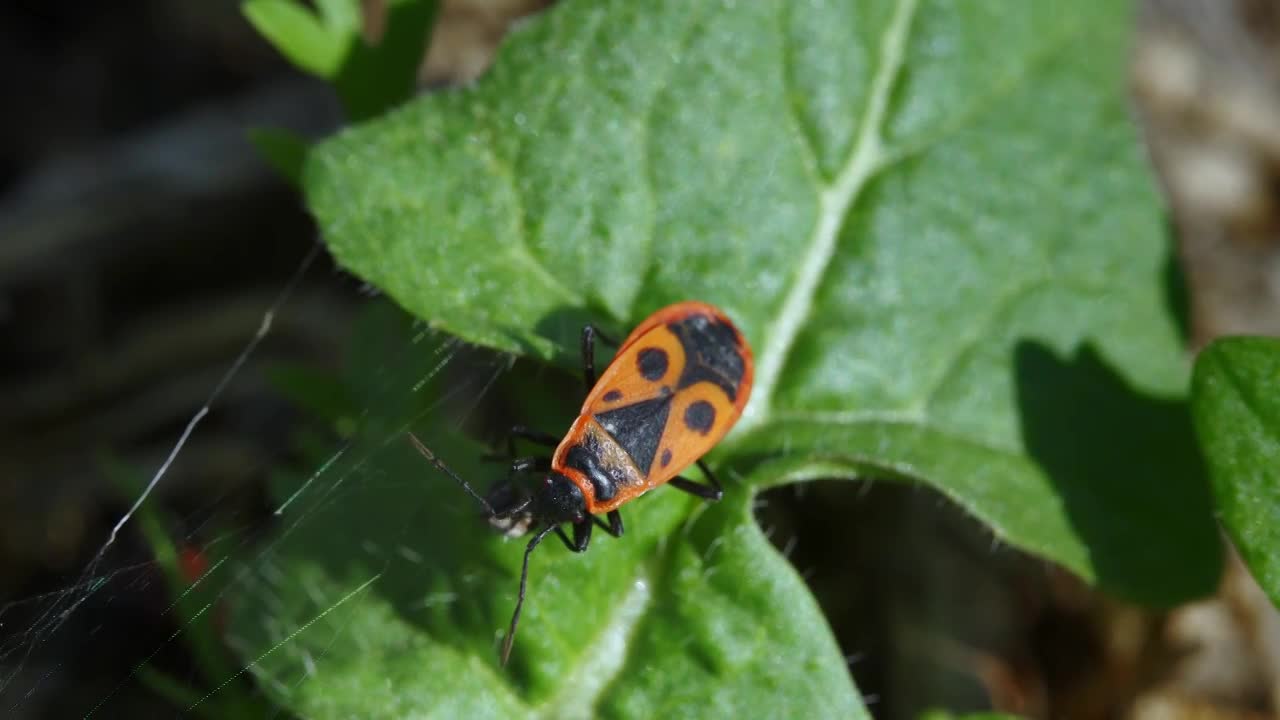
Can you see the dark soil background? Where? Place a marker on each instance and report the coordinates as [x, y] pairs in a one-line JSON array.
[[141, 240]]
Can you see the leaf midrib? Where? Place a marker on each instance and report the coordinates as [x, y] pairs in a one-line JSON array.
[[865, 159], [604, 658]]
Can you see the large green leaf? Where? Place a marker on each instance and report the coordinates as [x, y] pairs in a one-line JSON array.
[[1237, 409], [931, 220]]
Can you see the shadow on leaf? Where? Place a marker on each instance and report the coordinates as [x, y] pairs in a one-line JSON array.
[[1128, 470]]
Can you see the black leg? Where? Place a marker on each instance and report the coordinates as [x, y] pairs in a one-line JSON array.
[[710, 476], [534, 436], [589, 335], [521, 466], [711, 492], [581, 536], [614, 527], [529, 464]]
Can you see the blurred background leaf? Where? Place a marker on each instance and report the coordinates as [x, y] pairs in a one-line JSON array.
[[372, 67]]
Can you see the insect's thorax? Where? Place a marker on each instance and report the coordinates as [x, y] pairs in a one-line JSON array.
[[599, 465]]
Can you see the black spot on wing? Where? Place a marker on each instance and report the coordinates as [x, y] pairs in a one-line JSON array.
[[613, 396], [699, 417], [712, 353], [638, 428], [666, 457], [652, 363]]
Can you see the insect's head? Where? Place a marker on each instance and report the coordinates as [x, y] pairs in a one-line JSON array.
[[558, 500]]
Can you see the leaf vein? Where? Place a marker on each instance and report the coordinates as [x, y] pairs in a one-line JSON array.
[[973, 339], [521, 249], [806, 135], [834, 203], [1007, 86]]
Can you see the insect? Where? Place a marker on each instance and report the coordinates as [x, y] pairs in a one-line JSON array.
[[675, 387]]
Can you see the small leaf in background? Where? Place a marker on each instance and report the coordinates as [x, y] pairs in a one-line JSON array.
[[1236, 396], [300, 35], [341, 16], [371, 75]]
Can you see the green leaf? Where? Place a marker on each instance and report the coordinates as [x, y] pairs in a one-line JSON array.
[[341, 15], [299, 35], [945, 250], [1237, 411], [369, 78]]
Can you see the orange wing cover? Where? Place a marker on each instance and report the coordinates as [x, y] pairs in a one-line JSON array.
[[676, 386]]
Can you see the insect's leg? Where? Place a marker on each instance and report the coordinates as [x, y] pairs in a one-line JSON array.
[[706, 492], [525, 465], [589, 335], [545, 439], [614, 527], [581, 535], [711, 492], [536, 437], [710, 476], [529, 464], [524, 579]]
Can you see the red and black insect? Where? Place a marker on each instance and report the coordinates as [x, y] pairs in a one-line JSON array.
[[676, 386]]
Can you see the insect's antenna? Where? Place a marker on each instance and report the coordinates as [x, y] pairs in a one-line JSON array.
[[426, 453], [524, 577]]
